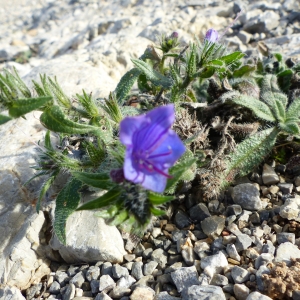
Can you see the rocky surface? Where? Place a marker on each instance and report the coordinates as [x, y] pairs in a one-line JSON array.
[[204, 250]]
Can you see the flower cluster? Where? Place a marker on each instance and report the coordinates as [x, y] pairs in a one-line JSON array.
[[152, 147]]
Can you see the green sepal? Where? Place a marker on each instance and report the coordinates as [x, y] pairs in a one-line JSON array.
[[152, 75], [105, 200], [4, 119], [45, 188], [98, 180], [124, 86], [20, 107], [66, 203], [158, 199], [119, 218]]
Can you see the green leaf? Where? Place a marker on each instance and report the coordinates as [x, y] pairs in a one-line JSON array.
[[89, 105], [47, 142], [112, 109], [4, 119], [98, 180], [45, 188], [58, 92], [250, 153], [293, 111], [119, 218], [157, 212], [66, 203], [152, 75], [191, 62], [54, 119], [244, 70], [158, 199], [232, 58], [21, 107], [105, 200], [124, 86], [290, 127], [260, 109]]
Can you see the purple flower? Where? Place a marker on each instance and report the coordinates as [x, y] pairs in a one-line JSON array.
[[212, 35], [152, 147]]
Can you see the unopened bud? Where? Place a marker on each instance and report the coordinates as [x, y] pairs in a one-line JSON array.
[[117, 175], [212, 35]]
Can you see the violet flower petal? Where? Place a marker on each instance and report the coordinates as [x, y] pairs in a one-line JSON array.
[[212, 35]]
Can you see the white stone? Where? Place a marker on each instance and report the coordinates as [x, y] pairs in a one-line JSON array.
[[214, 264], [285, 252], [291, 209]]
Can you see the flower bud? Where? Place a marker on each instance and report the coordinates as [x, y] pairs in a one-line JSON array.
[[212, 35], [117, 175]]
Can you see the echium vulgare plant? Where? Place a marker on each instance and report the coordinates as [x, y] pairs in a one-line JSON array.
[[201, 115]]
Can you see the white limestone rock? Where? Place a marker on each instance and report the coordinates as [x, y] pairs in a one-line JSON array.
[[291, 209]]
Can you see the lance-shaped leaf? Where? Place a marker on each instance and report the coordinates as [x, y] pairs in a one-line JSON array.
[[54, 119], [290, 127], [47, 142], [232, 58], [293, 111], [158, 199], [4, 119], [157, 212], [259, 108], [249, 153], [20, 107], [124, 86], [66, 203], [191, 61], [46, 187], [105, 200], [98, 180], [112, 108], [244, 70], [155, 77]]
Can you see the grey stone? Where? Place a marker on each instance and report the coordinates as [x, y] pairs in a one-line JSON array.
[[165, 296], [126, 281], [136, 270], [20, 225], [268, 248], [257, 296], [144, 281], [106, 283], [213, 226], [285, 252], [92, 242], [147, 253], [78, 279], [247, 196], [188, 255], [243, 242], [283, 237], [241, 292], [11, 293], [94, 286], [232, 252], [150, 267], [262, 270], [269, 176], [119, 271], [234, 209], [61, 277], [244, 36], [291, 209], [296, 295], [184, 278], [70, 292], [263, 22], [103, 296], [72, 270], [160, 256], [263, 259], [106, 269], [142, 292], [239, 274], [181, 219], [33, 291], [54, 288], [119, 291], [205, 292], [214, 264], [219, 280], [199, 212], [286, 188], [92, 273]]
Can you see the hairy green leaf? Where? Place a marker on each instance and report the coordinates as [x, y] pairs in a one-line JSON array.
[[158, 199], [191, 62], [232, 58], [244, 70], [66, 203], [105, 200], [4, 119], [124, 86], [290, 127], [98, 180], [152, 75], [157, 212], [47, 142], [21, 107], [293, 111]]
